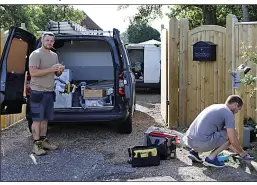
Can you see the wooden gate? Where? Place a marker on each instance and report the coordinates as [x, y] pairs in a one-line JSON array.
[[190, 86], [206, 79]]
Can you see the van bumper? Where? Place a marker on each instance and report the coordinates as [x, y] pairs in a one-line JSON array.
[[90, 117]]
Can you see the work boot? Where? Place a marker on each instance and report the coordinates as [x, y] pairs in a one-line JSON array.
[[38, 149], [47, 145]]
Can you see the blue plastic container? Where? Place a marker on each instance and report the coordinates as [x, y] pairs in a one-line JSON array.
[[223, 158]]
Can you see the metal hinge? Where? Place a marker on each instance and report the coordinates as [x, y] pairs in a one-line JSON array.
[[167, 102]]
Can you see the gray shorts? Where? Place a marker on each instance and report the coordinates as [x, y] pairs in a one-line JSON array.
[[42, 105], [215, 141]]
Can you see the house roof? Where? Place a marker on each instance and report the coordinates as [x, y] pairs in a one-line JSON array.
[[90, 24]]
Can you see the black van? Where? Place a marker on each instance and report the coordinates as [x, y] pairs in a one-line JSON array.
[[97, 60]]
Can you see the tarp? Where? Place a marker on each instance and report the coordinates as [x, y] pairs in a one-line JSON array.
[[142, 44]]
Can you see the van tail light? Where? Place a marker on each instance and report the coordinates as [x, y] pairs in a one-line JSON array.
[[27, 91], [121, 85]]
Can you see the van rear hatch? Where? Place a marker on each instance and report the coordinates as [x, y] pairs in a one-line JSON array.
[[88, 82]]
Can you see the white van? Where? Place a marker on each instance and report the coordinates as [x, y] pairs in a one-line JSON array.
[[145, 59]]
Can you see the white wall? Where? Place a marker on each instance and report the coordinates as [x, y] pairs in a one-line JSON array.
[[89, 60]]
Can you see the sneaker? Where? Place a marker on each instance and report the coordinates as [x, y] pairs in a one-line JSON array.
[[38, 148], [213, 162], [47, 145], [194, 156], [248, 157]]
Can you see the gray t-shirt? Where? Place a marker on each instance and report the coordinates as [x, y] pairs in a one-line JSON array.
[[212, 119]]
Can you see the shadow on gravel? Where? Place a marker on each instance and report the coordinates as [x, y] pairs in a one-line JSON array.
[[229, 174], [168, 170]]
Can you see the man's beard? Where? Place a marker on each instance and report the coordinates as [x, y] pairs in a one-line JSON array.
[[45, 47]]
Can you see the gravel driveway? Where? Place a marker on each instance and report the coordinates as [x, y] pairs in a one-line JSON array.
[[95, 152]]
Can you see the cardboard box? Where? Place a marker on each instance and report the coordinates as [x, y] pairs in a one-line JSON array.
[[88, 93]]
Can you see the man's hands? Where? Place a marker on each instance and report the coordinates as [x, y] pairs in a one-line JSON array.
[[57, 68], [233, 139]]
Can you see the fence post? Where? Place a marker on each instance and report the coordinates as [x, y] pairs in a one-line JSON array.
[[164, 75], [230, 52], [2, 117], [1, 41], [173, 73], [183, 62], [239, 117]]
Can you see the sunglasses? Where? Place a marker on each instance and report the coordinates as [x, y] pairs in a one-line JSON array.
[[47, 33]]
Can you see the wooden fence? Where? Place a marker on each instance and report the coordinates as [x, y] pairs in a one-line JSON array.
[[201, 84], [8, 120]]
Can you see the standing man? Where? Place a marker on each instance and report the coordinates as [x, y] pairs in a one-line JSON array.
[[214, 129], [43, 66]]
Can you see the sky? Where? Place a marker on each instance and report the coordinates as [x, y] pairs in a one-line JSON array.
[[108, 17]]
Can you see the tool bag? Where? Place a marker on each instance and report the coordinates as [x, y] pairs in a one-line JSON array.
[[166, 144], [142, 156]]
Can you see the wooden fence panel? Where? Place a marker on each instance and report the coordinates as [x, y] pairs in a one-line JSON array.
[[246, 34]]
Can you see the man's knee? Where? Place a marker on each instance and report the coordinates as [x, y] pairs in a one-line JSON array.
[[44, 122], [36, 123]]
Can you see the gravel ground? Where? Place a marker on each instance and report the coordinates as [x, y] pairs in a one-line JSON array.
[[96, 152]]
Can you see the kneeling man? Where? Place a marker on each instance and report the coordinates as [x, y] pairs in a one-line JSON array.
[[214, 129]]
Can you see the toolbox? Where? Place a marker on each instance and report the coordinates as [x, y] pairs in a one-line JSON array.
[[165, 140], [142, 156]]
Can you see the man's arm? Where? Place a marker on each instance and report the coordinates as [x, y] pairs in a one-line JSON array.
[[35, 72], [61, 67], [233, 139], [232, 134], [34, 63]]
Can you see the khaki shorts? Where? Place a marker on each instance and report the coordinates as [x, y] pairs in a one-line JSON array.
[[217, 139]]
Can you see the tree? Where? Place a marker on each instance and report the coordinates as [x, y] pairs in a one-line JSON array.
[[13, 15], [35, 17], [57, 13], [124, 37], [137, 33], [197, 14]]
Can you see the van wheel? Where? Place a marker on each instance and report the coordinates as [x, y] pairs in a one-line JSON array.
[[126, 126]]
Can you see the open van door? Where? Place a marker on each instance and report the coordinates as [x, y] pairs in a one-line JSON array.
[[127, 73], [152, 66], [13, 67]]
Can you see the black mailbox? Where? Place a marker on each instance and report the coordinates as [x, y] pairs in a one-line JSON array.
[[204, 51]]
